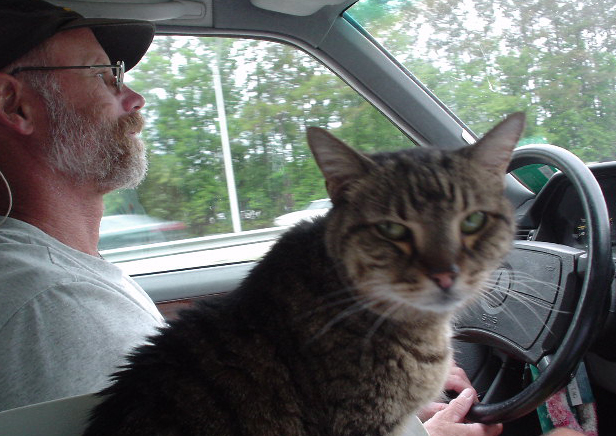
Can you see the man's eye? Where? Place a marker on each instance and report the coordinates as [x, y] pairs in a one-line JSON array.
[[107, 77], [102, 74]]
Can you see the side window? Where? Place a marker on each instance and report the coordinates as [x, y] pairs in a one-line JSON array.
[[228, 159]]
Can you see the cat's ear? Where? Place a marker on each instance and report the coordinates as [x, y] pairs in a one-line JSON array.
[[493, 151], [339, 163]]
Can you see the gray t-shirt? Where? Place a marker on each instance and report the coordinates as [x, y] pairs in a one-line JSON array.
[[66, 318]]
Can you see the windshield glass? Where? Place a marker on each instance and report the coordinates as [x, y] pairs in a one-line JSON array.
[[554, 60]]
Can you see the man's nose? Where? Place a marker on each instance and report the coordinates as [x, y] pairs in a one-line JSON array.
[[131, 101]]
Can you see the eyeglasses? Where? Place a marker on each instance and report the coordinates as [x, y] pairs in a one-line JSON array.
[[117, 70]]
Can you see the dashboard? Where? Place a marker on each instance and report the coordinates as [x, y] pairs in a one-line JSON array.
[[558, 213], [569, 212]]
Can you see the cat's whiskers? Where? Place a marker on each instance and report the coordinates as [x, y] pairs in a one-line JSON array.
[[531, 303], [524, 279], [380, 320], [359, 305], [327, 304], [361, 301], [470, 309], [524, 282], [375, 326], [511, 314], [523, 298]]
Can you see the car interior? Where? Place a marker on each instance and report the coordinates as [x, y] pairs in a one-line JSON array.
[[550, 322]]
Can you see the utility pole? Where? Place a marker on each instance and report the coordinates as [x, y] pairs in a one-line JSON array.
[[226, 148]]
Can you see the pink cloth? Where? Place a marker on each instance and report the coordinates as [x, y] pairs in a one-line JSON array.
[[582, 419]]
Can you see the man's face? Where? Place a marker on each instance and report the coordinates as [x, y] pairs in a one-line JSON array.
[[92, 132]]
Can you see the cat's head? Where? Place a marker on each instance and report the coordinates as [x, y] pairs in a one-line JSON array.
[[418, 228]]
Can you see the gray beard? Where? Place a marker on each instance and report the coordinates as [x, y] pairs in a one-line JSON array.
[[90, 149]]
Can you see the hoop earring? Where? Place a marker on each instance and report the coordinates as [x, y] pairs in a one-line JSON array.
[[8, 188]]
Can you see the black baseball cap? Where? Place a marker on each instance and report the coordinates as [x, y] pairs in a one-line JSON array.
[[24, 24]]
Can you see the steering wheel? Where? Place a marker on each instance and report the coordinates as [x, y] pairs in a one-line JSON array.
[[570, 288]]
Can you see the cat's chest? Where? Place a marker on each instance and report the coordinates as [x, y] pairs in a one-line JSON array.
[[392, 373], [375, 386], [413, 371]]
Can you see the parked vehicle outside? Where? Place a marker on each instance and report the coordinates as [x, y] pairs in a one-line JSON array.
[[118, 231], [315, 209]]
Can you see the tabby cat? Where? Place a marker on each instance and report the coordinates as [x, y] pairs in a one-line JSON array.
[[344, 327]]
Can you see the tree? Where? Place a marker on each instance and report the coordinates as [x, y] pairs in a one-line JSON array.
[[553, 59]]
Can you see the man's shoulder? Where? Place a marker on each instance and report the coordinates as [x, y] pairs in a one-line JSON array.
[[27, 271], [31, 264], [26, 253], [26, 261]]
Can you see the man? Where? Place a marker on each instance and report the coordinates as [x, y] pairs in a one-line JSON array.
[[68, 135]]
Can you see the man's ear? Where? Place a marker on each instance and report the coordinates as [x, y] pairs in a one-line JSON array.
[[16, 108]]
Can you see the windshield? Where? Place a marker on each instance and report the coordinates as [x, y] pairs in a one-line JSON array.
[[554, 60]]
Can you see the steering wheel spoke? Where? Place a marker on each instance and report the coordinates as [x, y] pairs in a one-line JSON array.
[[532, 300]]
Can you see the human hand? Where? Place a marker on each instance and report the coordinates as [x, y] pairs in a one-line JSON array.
[[456, 382], [450, 420]]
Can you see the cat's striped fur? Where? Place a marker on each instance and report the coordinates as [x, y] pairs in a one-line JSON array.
[[343, 328]]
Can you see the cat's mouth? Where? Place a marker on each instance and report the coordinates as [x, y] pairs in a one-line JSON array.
[[395, 298], [440, 302]]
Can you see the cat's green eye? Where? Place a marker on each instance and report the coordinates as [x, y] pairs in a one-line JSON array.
[[393, 231], [473, 223]]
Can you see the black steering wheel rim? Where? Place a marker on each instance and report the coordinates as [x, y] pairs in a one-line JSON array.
[[591, 308]]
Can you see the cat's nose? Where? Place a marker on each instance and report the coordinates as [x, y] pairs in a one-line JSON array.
[[444, 279]]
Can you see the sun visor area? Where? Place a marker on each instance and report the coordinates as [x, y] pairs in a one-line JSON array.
[[150, 10], [297, 7]]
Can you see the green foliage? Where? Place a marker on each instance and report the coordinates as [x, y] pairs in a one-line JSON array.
[[552, 59]]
